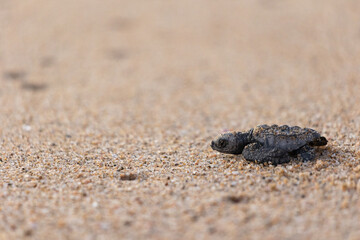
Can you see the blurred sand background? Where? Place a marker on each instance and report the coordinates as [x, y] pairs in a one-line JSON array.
[[108, 108]]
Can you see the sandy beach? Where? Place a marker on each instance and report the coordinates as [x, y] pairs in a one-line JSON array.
[[108, 109]]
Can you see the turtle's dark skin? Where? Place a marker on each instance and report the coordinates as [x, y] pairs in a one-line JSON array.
[[274, 144]]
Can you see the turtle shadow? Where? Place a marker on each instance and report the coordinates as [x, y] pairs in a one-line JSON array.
[[329, 155], [337, 154]]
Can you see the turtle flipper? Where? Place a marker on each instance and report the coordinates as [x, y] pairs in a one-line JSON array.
[[255, 152], [321, 141], [307, 153]]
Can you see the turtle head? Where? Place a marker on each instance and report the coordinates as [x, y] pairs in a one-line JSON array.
[[230, 142]]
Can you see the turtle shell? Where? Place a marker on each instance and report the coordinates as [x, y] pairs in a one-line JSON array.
[[284, 137]]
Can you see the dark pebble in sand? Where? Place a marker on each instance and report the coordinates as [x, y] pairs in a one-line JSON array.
[[128, 176], [33, 86], [14, 74]]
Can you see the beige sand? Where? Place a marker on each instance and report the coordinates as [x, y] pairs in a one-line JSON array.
[[108, 108]]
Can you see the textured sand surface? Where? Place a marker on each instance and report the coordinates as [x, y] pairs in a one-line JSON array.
[[108, 108]]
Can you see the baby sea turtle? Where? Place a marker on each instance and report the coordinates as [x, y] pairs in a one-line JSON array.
[[275, 144]]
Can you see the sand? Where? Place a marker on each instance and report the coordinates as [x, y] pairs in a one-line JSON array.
[[108, 108]]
